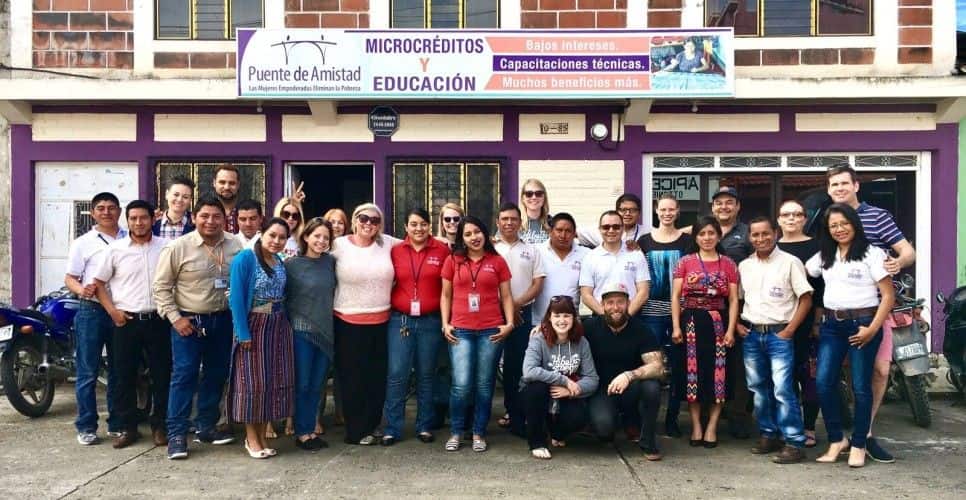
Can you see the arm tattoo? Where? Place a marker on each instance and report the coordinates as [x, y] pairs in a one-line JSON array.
[[653, 367]]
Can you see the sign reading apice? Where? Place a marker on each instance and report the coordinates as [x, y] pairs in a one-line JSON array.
[[410, 64]]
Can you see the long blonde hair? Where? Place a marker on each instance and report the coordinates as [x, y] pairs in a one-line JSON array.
[[544, 209], [284, 202], [382, 220], [448, 206]]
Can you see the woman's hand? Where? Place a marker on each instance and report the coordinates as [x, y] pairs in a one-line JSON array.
[[573, 388], [676, 335], [450, 334], [502, 332], [730, 339], [558, 392], [862, 337]]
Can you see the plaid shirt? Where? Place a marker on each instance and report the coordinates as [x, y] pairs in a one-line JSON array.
[[169, 230], [231, 221]]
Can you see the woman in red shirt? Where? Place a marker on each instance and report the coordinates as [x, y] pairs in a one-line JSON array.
[[477, 314], [704, 312], [413, 336]]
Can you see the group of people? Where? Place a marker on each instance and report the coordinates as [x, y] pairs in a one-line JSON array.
[[717, 312]]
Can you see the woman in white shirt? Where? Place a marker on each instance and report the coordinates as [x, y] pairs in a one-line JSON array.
[[858, 298]]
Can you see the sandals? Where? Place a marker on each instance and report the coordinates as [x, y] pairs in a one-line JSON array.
[[541, 453], [259, 455], [810, 440], [453, 443], [479, 445], [832, 455], [558, 443], [368, 440], [270, 431], [289, 427]]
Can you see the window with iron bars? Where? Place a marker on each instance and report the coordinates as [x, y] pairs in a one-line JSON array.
[[205, 19]]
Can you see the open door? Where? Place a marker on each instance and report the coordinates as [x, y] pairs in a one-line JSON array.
[[328, 186]]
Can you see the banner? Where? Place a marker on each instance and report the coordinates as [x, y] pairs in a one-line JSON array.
[[484, 64]]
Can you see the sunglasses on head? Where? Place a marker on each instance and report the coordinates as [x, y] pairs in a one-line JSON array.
[[556, 299], [367, 219], [533, 194], [454, 220], [610, 227], [290, 215]]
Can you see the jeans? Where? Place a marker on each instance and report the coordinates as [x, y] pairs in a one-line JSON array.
[[93, 330], [660, 327], [311, 366], [770, 368], [474, 359], [642, 397], [571, 415], [833, 347], [514, 348], [208, 352], [152, 339], [419, 348]]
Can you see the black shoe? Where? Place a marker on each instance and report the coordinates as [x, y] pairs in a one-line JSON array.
[[426, 437], [697, 443], [387, 440], [710, 444], [313, 444], [876, 452], [214, 436], [671, 429]]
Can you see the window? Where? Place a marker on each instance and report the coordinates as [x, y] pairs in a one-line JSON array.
[[474, 186], [445, 14], [251, 178], [206, 19], [791, 17]]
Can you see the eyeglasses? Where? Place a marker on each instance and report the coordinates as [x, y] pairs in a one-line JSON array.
[[290, 215], [839, 225], [628, 210], [533, 194], [610, 227], [556, 299], [367, 219], [452, 220], [792, 214]]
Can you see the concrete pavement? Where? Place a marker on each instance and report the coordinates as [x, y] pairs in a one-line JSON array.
[[41, 459]]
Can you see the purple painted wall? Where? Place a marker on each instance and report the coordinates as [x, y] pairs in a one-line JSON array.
[[941, 143]]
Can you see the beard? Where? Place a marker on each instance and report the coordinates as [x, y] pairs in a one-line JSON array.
[[616, 321]]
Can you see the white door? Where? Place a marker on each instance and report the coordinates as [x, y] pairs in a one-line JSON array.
[[64, 191]]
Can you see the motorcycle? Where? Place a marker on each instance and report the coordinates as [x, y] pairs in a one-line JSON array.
[[37, 352], [954, 343], [911, 369]]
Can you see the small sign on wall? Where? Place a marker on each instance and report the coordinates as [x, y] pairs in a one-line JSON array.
[[554, 128], [682, 187], [383, 121]]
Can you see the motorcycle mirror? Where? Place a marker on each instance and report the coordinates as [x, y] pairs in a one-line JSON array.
[[907, 280], [940, 298]]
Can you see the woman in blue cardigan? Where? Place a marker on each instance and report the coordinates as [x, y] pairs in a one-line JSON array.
[[262, 374]]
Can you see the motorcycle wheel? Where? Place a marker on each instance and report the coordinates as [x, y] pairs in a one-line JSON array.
[[29, 393], [918, 400]]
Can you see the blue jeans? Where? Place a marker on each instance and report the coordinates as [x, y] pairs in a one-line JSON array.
[[474, 359], [212, 351], [770, 371], [93, 329], [311, 366], [418, 349], [833, 347], [660, 327]]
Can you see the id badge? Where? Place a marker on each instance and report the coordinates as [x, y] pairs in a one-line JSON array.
[[473, 301], [221, 283], [712, 291], [414, 307]]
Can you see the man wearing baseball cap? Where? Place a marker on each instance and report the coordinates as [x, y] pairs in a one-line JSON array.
[[631, 365]]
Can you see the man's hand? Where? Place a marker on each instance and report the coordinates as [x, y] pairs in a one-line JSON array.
[[619, 384], [184, 327], [891, 265], [89, 291], [742, 330], [119, 317], [786, 333]]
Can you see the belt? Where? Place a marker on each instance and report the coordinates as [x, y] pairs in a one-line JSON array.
[[844, 314], [765, 328], [202, 315], [145, 316]]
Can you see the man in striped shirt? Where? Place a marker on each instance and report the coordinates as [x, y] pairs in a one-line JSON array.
[[881, 230]]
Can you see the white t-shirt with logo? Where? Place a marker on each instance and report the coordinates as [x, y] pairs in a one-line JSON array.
[[562, 278], [600, 268], [850, 285], [524, 262]]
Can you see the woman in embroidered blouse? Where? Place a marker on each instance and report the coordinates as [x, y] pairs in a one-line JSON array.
[[704, 312], [262, 374]]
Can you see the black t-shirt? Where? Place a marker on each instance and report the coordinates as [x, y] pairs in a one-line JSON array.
[[736, 243], [615, 353], [804, 250]]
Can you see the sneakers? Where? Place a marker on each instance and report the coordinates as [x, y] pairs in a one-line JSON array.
[[214, 436], [766, 445], [877, 452], [789, 455], [177, 448], [87, 438]]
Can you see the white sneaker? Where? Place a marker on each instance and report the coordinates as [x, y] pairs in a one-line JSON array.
[[87, 438]]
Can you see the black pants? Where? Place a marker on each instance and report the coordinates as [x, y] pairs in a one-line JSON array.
[[151, 337], [514, 349], [571, 415], [739, 409], [642, 397], [361, 356]]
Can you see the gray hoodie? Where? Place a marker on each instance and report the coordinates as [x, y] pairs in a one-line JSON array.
[[553, 365]]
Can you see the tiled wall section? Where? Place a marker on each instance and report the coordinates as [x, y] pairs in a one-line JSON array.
[[83, 34], [194, 60], [915, 31], [327, 13], [573, 14], [664, 13]]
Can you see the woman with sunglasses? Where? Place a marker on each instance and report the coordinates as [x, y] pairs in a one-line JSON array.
[[309, 295], [791, 219], [558, 374], [477, 315], [290, 210], [339, 221], [533, 199], [262, 381], [855, 277], [364, 272], [450, 215], [704, 313]]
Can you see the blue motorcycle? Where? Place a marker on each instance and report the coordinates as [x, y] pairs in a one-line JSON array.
[[37, 352]]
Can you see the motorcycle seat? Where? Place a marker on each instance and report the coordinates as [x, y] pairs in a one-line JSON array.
[[36, 315]]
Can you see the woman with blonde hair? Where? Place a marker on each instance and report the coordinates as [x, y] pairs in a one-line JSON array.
[[339, 221], [450, 216], [290, 210], [533, 200]]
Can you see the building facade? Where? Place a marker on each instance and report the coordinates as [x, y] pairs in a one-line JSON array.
[[121, 95]]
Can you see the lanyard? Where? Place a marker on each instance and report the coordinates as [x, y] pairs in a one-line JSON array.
[[101, 237], [416, 271], [219, 261], [473, 276], [637, 228], [706, 281]]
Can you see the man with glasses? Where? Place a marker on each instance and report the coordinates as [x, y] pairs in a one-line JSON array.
[[92, 325], [881, 230], [226, 184], [628, 208]]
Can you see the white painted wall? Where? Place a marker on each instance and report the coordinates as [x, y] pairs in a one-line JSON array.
[[84, 127], [449, 128], [209, 128], [58, 186]]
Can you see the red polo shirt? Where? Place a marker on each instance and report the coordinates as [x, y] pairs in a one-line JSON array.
[[417, 274], [489, 271]]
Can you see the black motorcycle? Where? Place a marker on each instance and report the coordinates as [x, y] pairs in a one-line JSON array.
[[954, 343]]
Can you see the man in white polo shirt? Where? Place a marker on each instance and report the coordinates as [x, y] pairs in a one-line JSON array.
[[613, 262], [128, 269], [561, 260], [92, 325], [527, 275]]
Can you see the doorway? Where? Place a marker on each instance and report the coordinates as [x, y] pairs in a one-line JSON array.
[[328, 185]]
